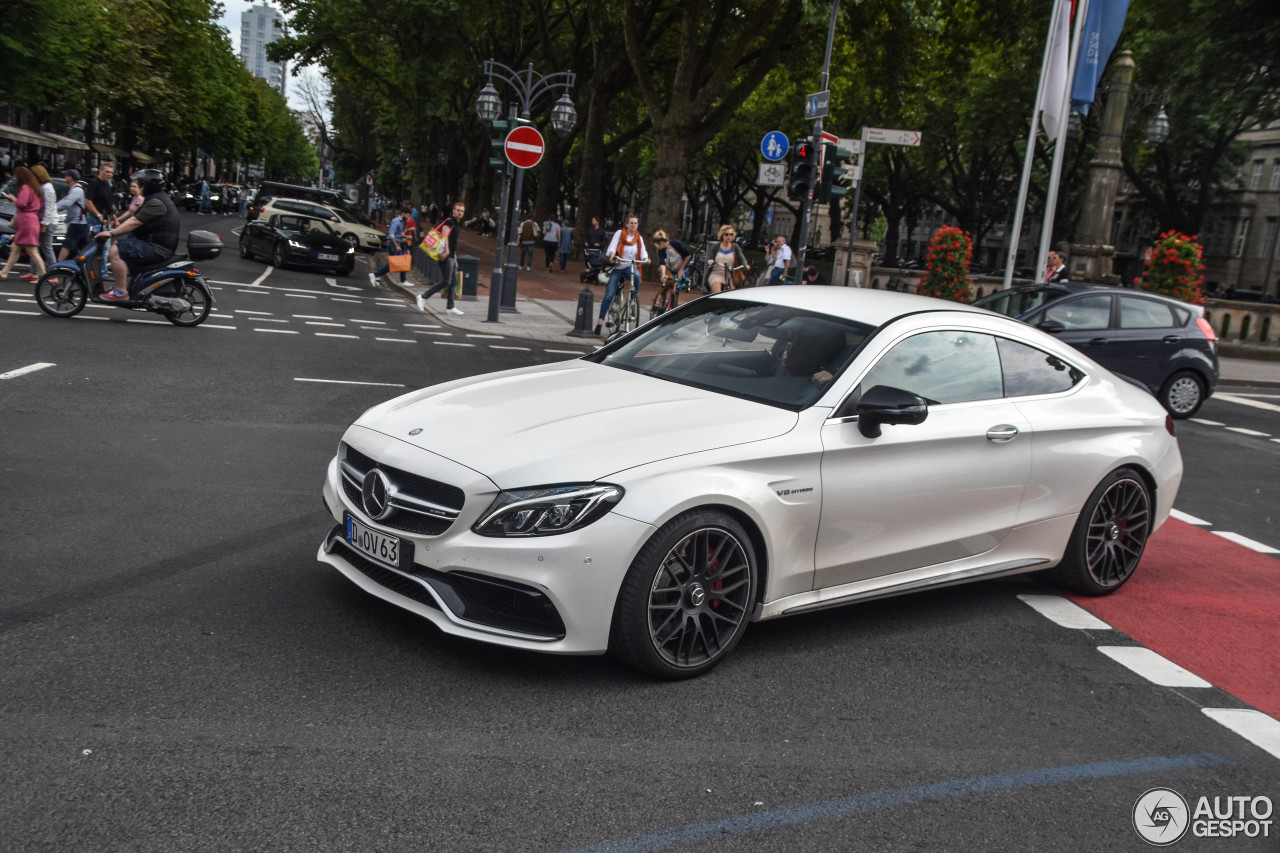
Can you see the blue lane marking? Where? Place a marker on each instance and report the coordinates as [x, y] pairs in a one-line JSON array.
[[743, 824]]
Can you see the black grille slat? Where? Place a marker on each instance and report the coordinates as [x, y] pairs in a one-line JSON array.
[[411, 485], [391, 580]]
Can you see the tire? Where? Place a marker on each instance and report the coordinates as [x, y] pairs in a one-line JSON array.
[[1182, 394], [200, 304], [279, 256], [351, 240], [632, 320], [1109, 537], [678, 613], [61, 294], [246, 250], [658, 308]]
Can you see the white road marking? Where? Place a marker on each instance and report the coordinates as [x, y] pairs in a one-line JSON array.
[[421, 326], [149, 322], [208, 326], [1247, 542], [30, 368], [1189, 519], [26, 299], [522, 349], [14, 293], [340, 299], [278, 331], [311, 317], [1151, 666], [260, 279], [247, 311], [1244, 431], [1259, 729], [566, 351], [437, 334], [494, 337], [22, 313], [332, 335], [1062, 612], [396, 340], [319, 323], [1245, 401], [265, 320], [349, 382], [300, 296], [1206, 422], [258, 292], [452, 344], [333, 283], [370, 322]]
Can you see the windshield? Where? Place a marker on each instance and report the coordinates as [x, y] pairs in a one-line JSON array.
[[296, 224], [772, 354]]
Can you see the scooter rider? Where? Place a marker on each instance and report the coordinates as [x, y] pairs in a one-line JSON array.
[[156, 230]]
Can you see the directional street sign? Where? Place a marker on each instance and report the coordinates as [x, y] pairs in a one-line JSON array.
[[772, 174], [815, 105], [891, 137], [524, 147], [853, 146], [852, 171], [775, 146]]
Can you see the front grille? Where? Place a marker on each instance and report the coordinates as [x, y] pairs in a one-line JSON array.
[[411, 486], [384, 577]]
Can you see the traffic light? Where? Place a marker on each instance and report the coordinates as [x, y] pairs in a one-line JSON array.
[[801, 173], [834, 167], [498, 157]]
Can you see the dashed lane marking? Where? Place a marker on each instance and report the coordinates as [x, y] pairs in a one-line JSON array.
[[247, 311], [148, 322], [332, 335], [1206, 422], [1153, 667], [452, 344], [1062, 612], [265, 320], [492, 337], [256, 292], [369, 322], [521, 349], [1189, 519], [311, 317], [397, 340], [22, 313], [30, 368], [1244, 431], [420, 326], [1245, 401], [213, 326], [1246, 542], [566, 351], [349, 382], [301, 296], [321, 323], [351, 301], [1256, 727], [278, 331]]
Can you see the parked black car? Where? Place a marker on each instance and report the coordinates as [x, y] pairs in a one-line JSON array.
[[287, 240], [1165, 345]]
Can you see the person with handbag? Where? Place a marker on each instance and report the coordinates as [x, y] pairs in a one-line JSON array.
[[395, 247], [550, 240], [447, 232], [528, 234], [729, 266]]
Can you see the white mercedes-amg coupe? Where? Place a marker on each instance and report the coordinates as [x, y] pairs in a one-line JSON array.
[[749, 455]]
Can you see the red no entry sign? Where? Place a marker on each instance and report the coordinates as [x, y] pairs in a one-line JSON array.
[[523, 147]]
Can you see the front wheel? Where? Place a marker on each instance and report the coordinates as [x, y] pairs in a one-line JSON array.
[[198, 300], [351, 240], [280, 256], [1109, 537], [61, 293], [687, 596], [1182, 394], [246, 249]]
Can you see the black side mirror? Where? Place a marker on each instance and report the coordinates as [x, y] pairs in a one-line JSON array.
[[886, 405], [1053, 327]]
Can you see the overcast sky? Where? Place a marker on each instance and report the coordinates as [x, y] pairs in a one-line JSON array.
[[231, 23]]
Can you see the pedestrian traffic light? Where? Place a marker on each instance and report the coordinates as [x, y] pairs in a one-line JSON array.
[[801, 173], [498, 157], [834, 160]]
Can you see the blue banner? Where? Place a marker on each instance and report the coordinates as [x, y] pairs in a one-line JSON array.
[[1102, 28]]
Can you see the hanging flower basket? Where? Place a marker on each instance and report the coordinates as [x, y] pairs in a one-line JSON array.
[[1175, 267], [950, 251]]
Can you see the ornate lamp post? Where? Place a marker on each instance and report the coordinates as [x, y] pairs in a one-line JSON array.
[[528, 86]]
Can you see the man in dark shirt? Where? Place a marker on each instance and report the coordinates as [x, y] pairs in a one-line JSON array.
[[98, 198], [157, 229], [449, 263]]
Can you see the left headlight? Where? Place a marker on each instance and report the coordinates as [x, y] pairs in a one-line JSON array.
[[547, 510], [295, 244]]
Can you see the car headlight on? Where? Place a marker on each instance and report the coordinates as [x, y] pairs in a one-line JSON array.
[[351, 250], [548, 510], [295, 244]]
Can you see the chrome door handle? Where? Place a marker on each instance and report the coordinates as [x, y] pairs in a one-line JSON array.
[[1002, 433], [1097, 342]]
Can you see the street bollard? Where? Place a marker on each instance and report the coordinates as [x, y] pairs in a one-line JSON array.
[[582, 327]]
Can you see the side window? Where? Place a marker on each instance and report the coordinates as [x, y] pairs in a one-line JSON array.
[[1139, 313], [942, 367], [1084, 313], [1028, 371]]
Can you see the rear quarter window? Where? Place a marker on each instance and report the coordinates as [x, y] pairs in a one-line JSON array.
[[1139, 313]]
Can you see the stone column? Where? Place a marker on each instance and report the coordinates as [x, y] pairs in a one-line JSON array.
[[1091, 259]]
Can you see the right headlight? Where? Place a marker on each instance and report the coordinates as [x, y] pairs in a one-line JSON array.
[[547, 510]]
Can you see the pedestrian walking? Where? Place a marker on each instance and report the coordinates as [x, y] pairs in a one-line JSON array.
[[550, 240], [48, 213], [566, 242], [72, 205], [449, 263], [528, 236], [781, 260], [26, 223], [206, 198], [395, 246]]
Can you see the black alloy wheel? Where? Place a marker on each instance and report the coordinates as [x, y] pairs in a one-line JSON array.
[[280, 256], [687, 597], [1109, 537], [246, 250], [351, 240], [60, 293]]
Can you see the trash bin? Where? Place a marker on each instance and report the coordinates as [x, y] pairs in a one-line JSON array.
[[469, 266]]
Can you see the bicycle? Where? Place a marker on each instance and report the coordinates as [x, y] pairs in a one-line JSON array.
[[669, 296], [624, 313], [728, 278]]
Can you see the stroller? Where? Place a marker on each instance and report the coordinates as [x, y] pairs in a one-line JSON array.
[[595, 266]]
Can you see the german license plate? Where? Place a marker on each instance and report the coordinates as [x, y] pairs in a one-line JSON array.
[[379, 546], [327, 257]]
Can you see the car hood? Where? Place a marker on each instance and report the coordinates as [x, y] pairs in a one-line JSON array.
[[570, 422]]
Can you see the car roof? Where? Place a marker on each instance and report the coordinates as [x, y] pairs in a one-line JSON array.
[[1072, 288], [864, 305]]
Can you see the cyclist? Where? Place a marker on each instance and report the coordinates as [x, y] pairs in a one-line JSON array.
[[727, 256], [673, 257], [626, 249]]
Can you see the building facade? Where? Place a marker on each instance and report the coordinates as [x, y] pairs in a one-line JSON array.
[[1241, 235], [259, 27]]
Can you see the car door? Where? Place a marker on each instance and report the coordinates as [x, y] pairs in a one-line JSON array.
[[919, 495], [1148, 335], [1082, 321]]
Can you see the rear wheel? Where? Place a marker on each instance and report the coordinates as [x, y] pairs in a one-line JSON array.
[[1182, 394], [246, 250], [279, 256], [1109, 537], [198, 300], [60, 293]]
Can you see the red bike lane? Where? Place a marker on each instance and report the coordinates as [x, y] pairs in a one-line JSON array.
[[1207, 604]]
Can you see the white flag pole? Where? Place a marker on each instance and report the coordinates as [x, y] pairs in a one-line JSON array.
[[1028, 161], [1055, 173]]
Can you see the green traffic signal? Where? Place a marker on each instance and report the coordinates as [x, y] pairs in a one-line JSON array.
[[834, 160]]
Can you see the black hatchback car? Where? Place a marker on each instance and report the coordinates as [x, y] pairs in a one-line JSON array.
[[287, 240], [1165, 345]]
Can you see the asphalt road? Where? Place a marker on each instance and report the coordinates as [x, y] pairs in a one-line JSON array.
[[179, 673]]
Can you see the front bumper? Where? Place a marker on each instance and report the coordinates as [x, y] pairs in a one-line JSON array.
[[551, 594]]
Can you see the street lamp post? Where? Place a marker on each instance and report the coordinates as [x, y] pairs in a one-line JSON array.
[[528, 85]]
